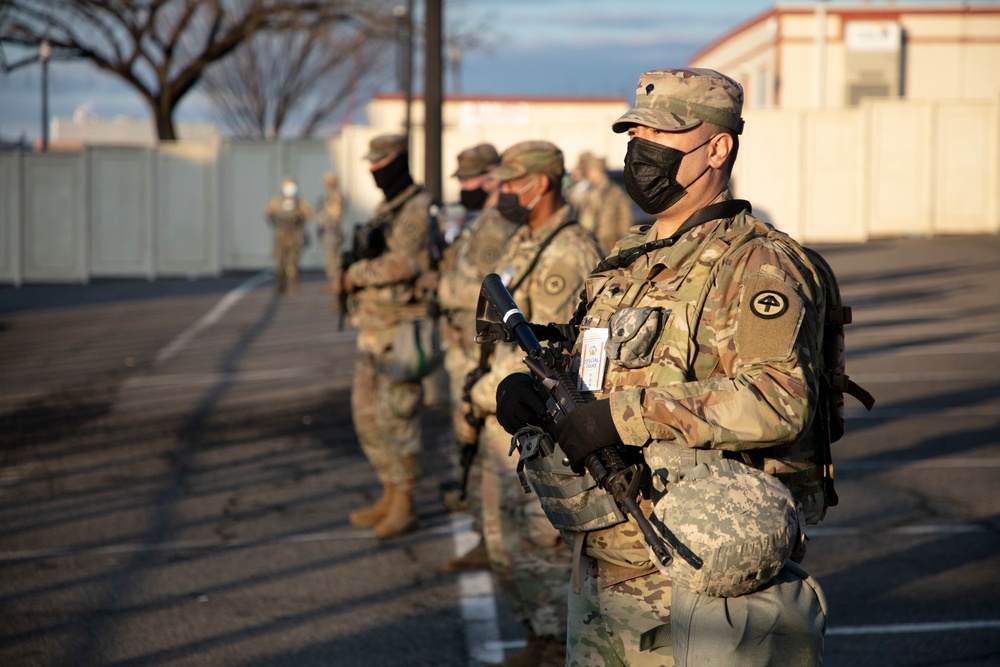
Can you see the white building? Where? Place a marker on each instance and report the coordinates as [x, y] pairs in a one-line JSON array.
[[834, 54]]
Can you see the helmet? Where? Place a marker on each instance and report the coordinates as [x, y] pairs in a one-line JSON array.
[[740, 521]]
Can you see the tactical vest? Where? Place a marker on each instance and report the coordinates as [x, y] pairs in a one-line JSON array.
[[287, 218]]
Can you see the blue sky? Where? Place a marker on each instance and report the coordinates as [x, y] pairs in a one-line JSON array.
[[533, 47]]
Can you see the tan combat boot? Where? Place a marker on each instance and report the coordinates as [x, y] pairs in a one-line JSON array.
[[475, 559], [401, 517], [367, 517]]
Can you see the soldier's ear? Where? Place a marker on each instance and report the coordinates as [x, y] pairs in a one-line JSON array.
[[720, 147]]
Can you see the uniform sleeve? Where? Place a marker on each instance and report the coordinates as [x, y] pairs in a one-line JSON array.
[[555, 285], [761, 322], [553, 291], [406, 250]]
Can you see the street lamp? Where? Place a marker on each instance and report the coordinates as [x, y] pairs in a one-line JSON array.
[[44, 52]]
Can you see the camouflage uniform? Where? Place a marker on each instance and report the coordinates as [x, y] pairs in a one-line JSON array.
[[287, 216], [604, 209], [473, 255], [331, 212], [526, 552], [711, 353], [386, 411]]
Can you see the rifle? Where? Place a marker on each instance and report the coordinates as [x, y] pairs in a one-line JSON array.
[[605, 465], [368, 243]]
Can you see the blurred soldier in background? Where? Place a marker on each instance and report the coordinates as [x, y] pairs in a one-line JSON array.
[[330, 212], [604, 209], [287, 214], [544, 268], [466, 262], [576, 183], [385, 304]]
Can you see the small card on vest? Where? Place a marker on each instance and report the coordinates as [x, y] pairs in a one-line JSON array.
[[592, 359]]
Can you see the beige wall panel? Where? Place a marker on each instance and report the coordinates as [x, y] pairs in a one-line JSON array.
[[900, 172], [768, 170], [965, 177], [187, 218], [931, 72], [54, 232], [798, 65], [11, 168], [121, 216], [834, 168]]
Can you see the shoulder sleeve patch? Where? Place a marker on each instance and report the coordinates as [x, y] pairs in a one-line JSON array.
[[769, 318]]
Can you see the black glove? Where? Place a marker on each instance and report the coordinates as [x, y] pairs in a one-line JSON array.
[[519, 403], [590, 427]]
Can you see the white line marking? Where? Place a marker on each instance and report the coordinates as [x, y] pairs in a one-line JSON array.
[[479, 607], [212, 316], [911, 628]]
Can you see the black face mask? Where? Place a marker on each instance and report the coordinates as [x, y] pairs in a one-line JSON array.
[[509, 207], [651, 174], [473, 200], [394, 177]]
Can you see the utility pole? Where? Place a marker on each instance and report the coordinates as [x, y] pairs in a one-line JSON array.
[[404, 16], [433, 99], [44, 53]]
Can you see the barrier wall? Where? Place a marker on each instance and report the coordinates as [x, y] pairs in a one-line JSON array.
[[886, 168]]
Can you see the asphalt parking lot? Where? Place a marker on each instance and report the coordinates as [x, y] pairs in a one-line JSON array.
[[177, 464]]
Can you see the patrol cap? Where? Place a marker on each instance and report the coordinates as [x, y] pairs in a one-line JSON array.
[[680, 99], [530, 157], [385, 145], [476, 160]]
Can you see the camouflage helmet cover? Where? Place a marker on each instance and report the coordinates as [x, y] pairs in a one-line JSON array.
[[530, 157], [740, 521], [476, 160], [385, 145], [677, 100]]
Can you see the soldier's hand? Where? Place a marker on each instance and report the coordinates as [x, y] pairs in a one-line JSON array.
[[588, 428], [519, 403]]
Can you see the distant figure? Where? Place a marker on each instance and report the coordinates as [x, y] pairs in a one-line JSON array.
[[577, 184], [330, 213], [287, 214], [604, 208]]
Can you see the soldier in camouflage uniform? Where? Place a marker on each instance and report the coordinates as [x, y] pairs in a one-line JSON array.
[[544, 267], [466, 262], [331, 212], [710, 322], [604, 209], [384, 296], [287, 215]]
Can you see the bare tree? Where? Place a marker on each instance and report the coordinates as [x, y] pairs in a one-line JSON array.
[[303, 78], [162, 48]]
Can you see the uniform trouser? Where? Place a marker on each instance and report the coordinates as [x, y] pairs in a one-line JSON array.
[[458, 361], [605, 624], [331, 255], [527, 555], [287, 248], [386, 418]]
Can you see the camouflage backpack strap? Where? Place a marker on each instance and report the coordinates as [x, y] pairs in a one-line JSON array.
[[632, 247]]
